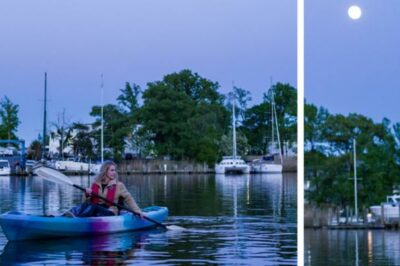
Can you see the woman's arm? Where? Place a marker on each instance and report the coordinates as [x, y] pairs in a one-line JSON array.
[[128, 199]]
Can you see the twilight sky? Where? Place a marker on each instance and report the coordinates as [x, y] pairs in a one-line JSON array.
[[137, 41], [353, 65]]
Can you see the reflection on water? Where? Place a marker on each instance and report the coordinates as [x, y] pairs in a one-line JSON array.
[[351, 247], [113, 249], [229, 219]]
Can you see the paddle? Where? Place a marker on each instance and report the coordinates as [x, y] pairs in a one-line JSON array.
[[53, 175]]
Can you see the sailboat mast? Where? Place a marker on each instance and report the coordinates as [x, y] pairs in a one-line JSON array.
[[274, 121], [234, 128], [44, 117], [355, 180], [272, 118], [102, 123], [277, 133]]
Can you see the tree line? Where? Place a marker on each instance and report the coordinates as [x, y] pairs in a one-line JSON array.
[[329, 157], [182, 116]]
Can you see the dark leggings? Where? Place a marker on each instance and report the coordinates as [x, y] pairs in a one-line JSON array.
[[88, 209]]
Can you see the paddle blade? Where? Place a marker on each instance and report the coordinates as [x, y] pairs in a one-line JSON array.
[[52, 175], [175, 228]]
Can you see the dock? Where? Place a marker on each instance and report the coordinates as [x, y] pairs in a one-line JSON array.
[[327, 217], [358, 226]]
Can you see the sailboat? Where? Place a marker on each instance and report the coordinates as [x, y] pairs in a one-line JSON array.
[[267, 164], [232, 164]]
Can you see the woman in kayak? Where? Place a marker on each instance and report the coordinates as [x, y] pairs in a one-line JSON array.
[[107, 186]]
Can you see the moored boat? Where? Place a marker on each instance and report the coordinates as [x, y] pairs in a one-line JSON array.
[[390, 208], [232, 164], [71, 165], [5, 168], [21, 226], [268, 164]]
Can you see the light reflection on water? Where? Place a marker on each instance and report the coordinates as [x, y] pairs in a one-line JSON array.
[[229, 220], [351, 247]]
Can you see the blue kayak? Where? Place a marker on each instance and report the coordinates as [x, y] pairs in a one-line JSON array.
[[21, 226]]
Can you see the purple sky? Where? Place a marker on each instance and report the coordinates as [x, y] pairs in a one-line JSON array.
[[353, 65], [137, 41]]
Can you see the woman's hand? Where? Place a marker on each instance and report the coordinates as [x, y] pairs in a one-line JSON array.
[[88, 191]]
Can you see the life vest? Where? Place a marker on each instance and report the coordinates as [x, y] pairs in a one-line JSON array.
[[111, 190]]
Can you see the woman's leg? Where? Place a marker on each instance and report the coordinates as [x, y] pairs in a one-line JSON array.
[[86, 209], [103, 211]]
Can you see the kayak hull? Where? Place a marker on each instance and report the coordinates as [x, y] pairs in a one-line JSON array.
[[20, 226]]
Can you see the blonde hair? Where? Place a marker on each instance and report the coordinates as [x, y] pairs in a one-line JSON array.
[[101, 177]]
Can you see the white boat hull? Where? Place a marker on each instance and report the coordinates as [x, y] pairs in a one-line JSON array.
[[222, 169], [71, 166], [95, 169], [389, 211], [5, 171], [267, 168], [5, 168]]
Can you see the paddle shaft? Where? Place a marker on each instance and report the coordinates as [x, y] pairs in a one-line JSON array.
[[121, 206]]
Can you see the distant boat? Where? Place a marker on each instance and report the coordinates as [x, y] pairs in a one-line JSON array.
[[232, 164], [5, 168], [95, 168], [29, 164], [268, 164], [390, 208], [72, 165]]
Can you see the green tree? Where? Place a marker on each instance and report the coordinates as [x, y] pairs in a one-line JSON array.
[[137, 140], [205, 127], [314, 123], [257, 124], [286, 109], [185, 115], [9, 118], [257, 127], [128, 100], [82, 141], [140, 141], [241, 144], [329, 168], [199, 89], [242, 98], [62, 132], [35, 150], [116, 128], [165, 112]]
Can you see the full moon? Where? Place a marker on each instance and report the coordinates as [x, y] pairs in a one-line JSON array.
[[354, 12]]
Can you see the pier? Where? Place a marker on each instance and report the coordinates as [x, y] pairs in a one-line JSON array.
[[328, 217], [150, 166]]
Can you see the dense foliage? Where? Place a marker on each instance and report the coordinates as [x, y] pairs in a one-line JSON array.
[[329, 157], [182, 116], [9, 119]]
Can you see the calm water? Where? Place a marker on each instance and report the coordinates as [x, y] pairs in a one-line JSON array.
[[249, 220], [352, 247]]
